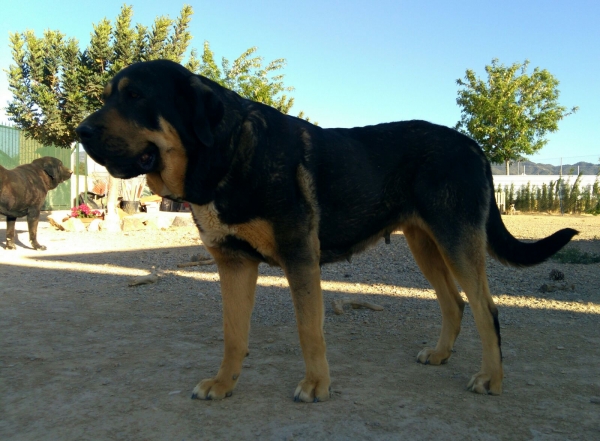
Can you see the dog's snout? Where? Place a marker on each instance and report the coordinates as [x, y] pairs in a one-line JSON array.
[[85, 131]]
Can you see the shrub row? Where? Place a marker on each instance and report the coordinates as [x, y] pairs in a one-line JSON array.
[[557, 197]]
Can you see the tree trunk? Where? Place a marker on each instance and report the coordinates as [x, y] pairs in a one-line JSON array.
[[111, 220], [507, 163]]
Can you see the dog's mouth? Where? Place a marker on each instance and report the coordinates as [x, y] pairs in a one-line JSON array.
[[122, 167]]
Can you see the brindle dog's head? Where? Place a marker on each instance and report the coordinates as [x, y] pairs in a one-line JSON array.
[[54, 169], [157, 119]]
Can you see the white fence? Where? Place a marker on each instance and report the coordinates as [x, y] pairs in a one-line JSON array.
[[539, 180]]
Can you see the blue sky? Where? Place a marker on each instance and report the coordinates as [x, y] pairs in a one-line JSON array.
[[355, 63]]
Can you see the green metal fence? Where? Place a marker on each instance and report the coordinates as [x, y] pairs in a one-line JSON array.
[[16, 149]]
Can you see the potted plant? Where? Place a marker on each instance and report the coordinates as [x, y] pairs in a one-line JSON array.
[[85, 214], [132, 190]]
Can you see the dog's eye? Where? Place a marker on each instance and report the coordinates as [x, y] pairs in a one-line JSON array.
[[133, 95]]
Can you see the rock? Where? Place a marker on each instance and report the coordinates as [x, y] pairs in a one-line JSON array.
[[161, 220], [183, 221], [94, 225], [556, 275], [73, 224], [132, 223]]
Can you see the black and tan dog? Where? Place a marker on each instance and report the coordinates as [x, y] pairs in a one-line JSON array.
[[23, 191], [267, 187]]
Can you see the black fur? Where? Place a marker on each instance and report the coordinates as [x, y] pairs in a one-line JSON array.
[[245, 162]]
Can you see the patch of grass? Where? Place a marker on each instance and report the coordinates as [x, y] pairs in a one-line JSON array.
[[573, 255]]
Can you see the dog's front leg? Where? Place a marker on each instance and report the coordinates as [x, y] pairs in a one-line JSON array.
[[304, 278], [10, 232], [238, 284]]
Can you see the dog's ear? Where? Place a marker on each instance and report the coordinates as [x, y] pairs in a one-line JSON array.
[[51, 169], [208, 111]]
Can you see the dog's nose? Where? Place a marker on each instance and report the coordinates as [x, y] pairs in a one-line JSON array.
[[84, 131]]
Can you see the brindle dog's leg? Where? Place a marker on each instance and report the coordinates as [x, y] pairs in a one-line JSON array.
[[10, 232], [238, 284], [304, 276], [33, 217], [434, 268]]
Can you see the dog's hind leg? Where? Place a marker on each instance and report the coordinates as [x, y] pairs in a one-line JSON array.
[[433, 266], [238, 284], [467, 263]]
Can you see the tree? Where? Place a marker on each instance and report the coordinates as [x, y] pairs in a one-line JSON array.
[[511, 113], [55, 85], [247, 77]]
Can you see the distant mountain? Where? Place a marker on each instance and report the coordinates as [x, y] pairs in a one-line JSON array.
[[532, 168]]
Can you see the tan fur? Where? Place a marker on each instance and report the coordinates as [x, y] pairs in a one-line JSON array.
[[307, 187], [122, 84], [258, 233], [172, 155], [107, 89], [431, 263], [305, 285], [238, 283]]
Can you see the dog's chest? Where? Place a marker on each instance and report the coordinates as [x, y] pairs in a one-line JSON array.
[[213, 232]]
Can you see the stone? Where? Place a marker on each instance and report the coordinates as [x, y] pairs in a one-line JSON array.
[[94, 225], [183, 221], [73, 225], [132, 223]]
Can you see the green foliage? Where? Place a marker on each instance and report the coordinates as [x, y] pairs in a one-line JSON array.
[[559, 196], [247, 76], [55, 85], [574, 255], [510, 113]]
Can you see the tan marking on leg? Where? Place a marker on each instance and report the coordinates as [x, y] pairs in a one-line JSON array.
[[431, 263], [468, 267], [305, 283], [238, 284]]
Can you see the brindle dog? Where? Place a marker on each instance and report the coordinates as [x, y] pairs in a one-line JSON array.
[[268, 187], [23, 191]]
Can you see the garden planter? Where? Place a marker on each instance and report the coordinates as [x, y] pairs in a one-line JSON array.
[[130, 207]]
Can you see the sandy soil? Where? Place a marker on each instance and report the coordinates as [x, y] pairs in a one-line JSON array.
[[83, 356]]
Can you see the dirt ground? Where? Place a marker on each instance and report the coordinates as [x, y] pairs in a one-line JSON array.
[[83, 356]]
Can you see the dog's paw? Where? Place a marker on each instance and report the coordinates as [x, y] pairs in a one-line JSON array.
[[212, 389], [39, 247], [484, 383], [11, 246], [432, 356], [312, 391]]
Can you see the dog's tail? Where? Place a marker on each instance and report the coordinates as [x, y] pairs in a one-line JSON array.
[[510, 251]]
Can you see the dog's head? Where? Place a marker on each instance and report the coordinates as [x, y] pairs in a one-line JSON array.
[[54, 169], [157, 119]]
